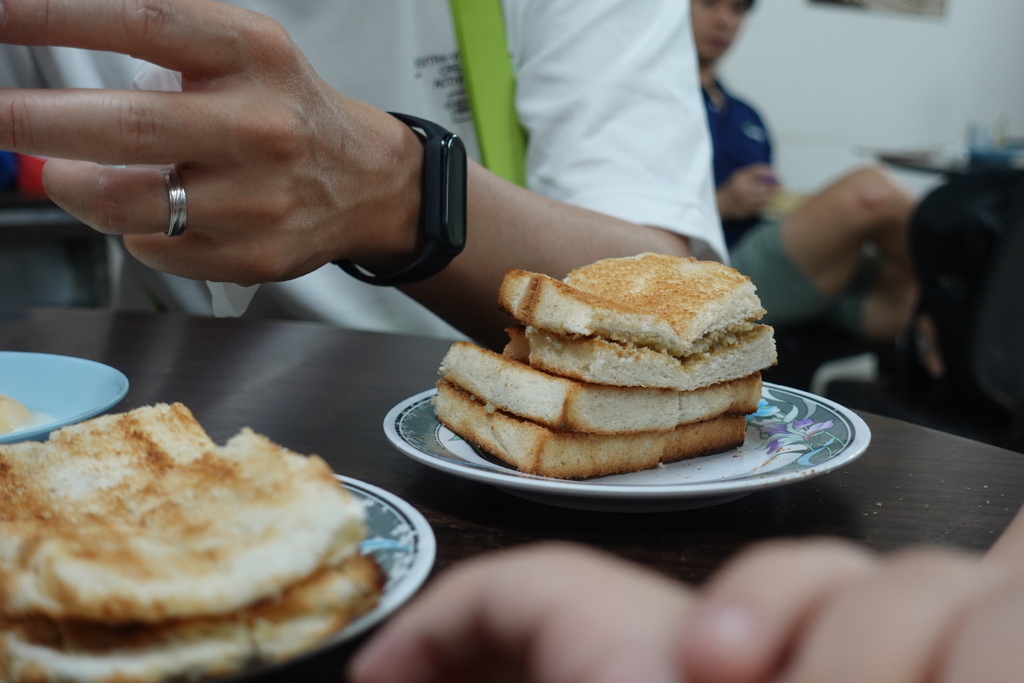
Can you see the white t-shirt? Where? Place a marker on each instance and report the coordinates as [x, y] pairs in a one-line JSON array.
[[607, 90]]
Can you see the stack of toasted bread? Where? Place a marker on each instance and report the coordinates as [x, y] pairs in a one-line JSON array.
[[626, 364], [133, 548]]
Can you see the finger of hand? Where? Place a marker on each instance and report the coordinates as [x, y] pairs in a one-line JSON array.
[[563, 613], [240, 229], [987, 646], [755, 171], [895, 625], [766, 175], [184, 35], [750, 613], [115, 127], [1010, 545], [197, 256], [134, 202], [121, 201]]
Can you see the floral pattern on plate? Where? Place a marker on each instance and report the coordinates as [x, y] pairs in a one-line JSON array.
[[793, 435]]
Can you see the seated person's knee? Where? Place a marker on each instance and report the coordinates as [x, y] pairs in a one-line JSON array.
[[874, 195]]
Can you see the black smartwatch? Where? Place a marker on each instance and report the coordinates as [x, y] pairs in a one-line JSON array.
[[442, 207]]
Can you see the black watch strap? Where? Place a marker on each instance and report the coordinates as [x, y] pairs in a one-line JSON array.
[[442, 207]]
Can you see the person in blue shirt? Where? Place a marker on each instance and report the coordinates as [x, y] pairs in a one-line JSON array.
[[840, 257], [741, 143]]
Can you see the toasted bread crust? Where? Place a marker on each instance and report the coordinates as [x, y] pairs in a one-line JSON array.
[[592, 359], [567, 404], [40, 649], [536, 449], [140, 517], [134, 549], [625, 364], [664, 302]]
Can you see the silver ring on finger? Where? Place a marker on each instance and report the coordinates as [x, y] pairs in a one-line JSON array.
[[177, 215]]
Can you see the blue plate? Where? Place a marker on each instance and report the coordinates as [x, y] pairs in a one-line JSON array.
[[59, 390]]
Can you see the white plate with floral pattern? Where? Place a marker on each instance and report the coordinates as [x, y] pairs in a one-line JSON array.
[[793, 436], [401, 541]]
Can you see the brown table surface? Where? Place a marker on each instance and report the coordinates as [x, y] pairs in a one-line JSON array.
[[319, 389]]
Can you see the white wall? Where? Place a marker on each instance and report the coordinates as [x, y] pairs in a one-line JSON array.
[[834, 83]]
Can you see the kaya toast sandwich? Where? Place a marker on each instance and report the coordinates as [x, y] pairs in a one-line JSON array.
[[562, 418], [651, 320]]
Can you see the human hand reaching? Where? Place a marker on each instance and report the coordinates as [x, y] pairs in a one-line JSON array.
[[783, 611], [747, 192], [282, 174], [546, 613], [826, 610]]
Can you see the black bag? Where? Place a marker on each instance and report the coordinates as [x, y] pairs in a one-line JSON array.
[[970, 265]]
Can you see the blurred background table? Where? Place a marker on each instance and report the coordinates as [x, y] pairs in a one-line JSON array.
[[951, 165], [319, 389], [47, 257], [925, 161]]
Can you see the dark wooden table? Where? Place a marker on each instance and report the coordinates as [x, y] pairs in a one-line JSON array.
[[318, 389]]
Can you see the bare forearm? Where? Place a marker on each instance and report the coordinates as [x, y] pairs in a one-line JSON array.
[[283, 174], [510, 227]]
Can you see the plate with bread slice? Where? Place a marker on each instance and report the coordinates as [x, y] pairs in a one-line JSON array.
[[402, 543], [40, 392], [793, 436], [633, 384], [135, 548]]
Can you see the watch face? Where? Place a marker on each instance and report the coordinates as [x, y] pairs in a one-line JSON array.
[[454, 156]]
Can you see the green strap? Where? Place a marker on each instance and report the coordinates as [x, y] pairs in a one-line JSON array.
[[490, 86]]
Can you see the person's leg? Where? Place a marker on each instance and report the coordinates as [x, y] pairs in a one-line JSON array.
[[787, 296], [889, 307], [877, 305], [824, 239]]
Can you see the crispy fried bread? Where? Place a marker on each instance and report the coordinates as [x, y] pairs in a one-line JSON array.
[[315, 608], [565, 404], [140, 517], [566, 454], [667, 303], [272, 630]]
